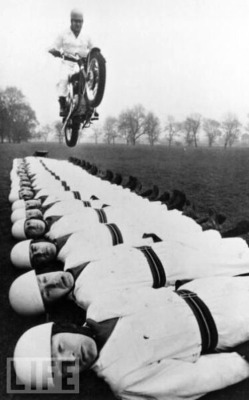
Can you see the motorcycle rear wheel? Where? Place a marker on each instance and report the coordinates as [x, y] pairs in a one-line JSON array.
[[96, 77], [72, 131]]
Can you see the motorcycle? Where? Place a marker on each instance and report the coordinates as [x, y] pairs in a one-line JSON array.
[[86, 90]]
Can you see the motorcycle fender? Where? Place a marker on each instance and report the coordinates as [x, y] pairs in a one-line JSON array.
[[93, 50]]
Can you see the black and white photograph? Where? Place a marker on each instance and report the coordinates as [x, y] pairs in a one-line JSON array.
[[124, 199]]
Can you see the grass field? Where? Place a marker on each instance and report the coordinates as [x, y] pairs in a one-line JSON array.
[[210, 178]]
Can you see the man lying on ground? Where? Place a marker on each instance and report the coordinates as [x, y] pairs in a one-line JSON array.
[[62, 242], [77, 247], [156, 218], [149, 344], [74, 181], [122, 268], [59, 208]]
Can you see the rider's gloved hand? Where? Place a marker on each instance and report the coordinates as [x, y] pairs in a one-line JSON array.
[[55, 53]]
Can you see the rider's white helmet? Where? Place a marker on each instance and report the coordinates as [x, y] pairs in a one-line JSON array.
[[76, 14]]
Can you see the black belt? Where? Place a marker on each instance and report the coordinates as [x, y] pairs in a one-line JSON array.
[[76, 271], [156, 267], [86, 203], [101, 215], [101, 331], [64, 184], [208, 330], [116, 234], [77, 195]]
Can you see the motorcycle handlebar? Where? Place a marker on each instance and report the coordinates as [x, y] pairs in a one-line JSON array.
[[71, 57]]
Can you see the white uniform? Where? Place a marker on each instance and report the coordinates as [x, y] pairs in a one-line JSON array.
[[130, 268], [133, 224], [67, 42], [154, 350], [161, 221], [66, 207], [125, 215], [95, 241], [109, 195]]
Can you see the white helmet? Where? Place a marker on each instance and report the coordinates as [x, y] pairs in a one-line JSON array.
[[19, 213], [76, 13], [25, 296], [18, 204], [14, 194], [34, 346], [20, 255], [19, 183], [18, 231], [15, 182]]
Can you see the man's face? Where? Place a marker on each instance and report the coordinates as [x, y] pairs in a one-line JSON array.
[[75, 349], [23, 175], [34, 228], [25, 181], [55, 285], [32, 204], [41, 253], [33, 213], [76, 24], [26, 194]]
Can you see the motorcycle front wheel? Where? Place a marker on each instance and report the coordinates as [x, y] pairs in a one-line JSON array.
[[96, 77], [72, 131]]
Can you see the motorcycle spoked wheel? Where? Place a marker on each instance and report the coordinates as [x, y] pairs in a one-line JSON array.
[[96, 77], [72, 131]]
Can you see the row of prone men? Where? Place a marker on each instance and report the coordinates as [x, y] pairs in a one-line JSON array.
[[166, 302]]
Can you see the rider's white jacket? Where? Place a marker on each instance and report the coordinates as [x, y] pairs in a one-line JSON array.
[[67, 42]]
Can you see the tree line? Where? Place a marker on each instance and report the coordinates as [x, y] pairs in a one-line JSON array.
[[18, 123], [136, 123]]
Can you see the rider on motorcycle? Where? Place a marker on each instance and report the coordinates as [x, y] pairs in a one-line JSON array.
[[71, 41]]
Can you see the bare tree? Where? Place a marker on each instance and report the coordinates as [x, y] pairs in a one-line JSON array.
[[245, 136], [58, 131], [42, 132], [131, 124], [172, 129], [195, 123], [46, 130], [152, 127], [231, 129], [123, 126], [186, 128], [245, 139], [97, 132], [110, 130], [212, 130], [191, 127], [3, 116]]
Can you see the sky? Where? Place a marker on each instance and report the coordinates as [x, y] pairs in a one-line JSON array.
[[175, 57]]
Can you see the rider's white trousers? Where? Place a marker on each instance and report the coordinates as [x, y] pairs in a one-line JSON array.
[[67, 68]]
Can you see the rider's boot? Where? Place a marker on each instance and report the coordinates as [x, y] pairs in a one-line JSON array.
[[62, 102], [95, 116]]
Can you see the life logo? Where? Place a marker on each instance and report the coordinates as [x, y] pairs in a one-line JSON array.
[[42, 376]]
